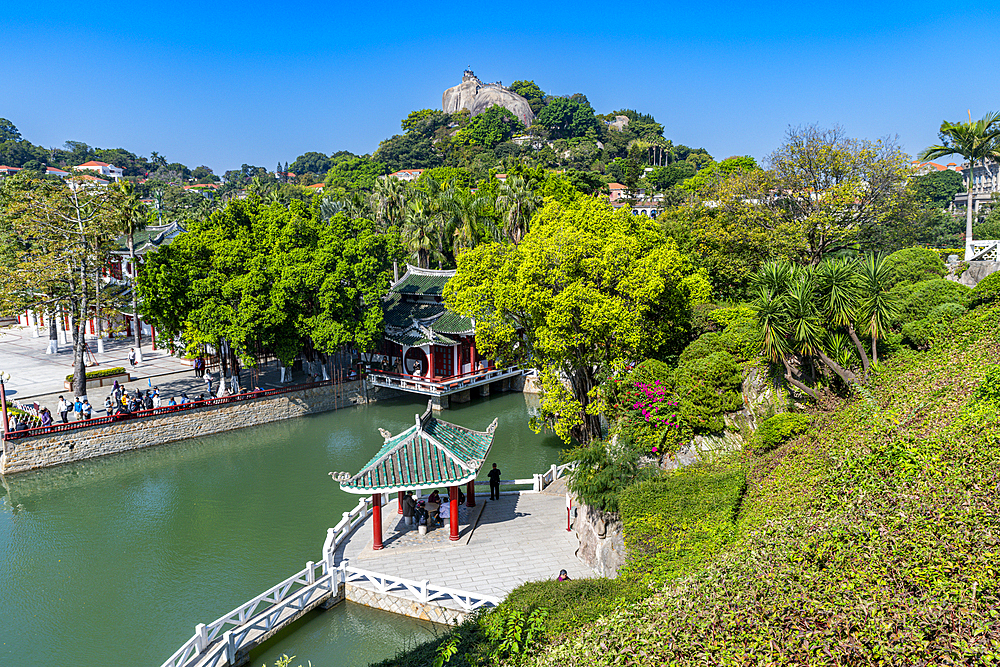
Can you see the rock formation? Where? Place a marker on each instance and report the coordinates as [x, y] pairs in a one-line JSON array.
[[477, 97]]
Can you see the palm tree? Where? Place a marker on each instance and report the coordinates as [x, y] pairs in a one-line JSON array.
[[388, 202], [975, 141], [516, 203], [131, 218], [465, 211], [877, 306], [421, 227], [838, 292]]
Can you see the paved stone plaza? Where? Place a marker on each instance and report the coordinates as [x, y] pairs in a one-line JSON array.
[[38, 377], [504, 543]]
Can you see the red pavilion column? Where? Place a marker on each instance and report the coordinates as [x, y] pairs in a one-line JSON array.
[[399, 501], [377, 521], [453, 500], [472, 356], [430, 361], [470, 494]]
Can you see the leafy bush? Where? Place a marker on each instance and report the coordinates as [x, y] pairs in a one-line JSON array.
[[987, 290], [704, 345], [921, 334], [675, 522], [707, 388], [633, 429], [919, 299], [601, 474], [945, 253], [777, 430], [914, 265], [93, 375], [989, 389]]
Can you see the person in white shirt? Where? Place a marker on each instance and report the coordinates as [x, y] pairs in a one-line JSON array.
[[63, 410]]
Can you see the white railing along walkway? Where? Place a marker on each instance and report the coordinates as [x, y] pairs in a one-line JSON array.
[[440, 386], [219, 642], [983, 251]]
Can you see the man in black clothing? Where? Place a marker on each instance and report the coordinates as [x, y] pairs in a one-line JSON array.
[[409, 507], [494, 476]]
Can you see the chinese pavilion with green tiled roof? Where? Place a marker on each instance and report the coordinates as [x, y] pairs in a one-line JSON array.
[[430, 454], [428, 349]]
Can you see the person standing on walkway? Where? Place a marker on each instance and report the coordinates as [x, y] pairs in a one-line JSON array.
[[199, 367], [409, 505], [494, 476], [208, 381], [88, 410], [156, 398], [107, 406], [78, 409], [46, 417], [63, 410], [131, 357]]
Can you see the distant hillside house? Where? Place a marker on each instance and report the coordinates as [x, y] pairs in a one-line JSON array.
[[103, 168], [922, 168], [56, 172], [427, 349], [316, 187], [86, 180], [406, 174]]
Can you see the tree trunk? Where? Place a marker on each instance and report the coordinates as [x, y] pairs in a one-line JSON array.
[[845, 375], [968, 216], [795, 383], [859, 347], [583, 382], [136, 326], [79, 340], [53, 332], [874, 349]]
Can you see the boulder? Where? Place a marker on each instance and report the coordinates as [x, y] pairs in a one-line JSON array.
[[477, 97]]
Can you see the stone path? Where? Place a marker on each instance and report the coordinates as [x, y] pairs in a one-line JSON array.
[[521, 537], [38, 377]]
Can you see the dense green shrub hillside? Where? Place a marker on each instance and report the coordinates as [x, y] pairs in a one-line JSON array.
[[872, 540]]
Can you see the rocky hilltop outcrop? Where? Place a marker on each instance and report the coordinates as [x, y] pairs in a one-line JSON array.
[[477, 97]]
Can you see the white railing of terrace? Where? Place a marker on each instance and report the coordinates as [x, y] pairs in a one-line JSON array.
[[983, 251], [218, 642], [260, 615], [439, 386], [421, 591]]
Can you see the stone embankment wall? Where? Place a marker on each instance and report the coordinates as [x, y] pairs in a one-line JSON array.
[[85, 443], [970, 273], [602, 543]]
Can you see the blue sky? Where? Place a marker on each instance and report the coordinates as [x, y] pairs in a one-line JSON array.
[[228, 83]]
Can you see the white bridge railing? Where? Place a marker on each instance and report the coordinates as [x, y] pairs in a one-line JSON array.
[[219, 642], [983, 251], [421, 591], [439, 386]]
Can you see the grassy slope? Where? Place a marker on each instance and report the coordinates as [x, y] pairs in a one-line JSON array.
[[873, 539]]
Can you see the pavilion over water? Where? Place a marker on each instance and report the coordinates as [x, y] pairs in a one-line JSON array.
[[428, 349], [430, 454]]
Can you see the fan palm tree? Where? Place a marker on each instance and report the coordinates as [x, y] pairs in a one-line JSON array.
[[131, 219], [516, 203], [465, 211], [421, 227], [976, 141], [388, 202]]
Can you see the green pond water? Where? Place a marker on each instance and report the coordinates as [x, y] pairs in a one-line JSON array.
[[113, 561]]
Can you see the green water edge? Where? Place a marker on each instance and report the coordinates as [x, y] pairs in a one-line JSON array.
[[113, 561]]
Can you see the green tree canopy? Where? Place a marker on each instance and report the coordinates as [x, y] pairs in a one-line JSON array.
[[586, 286], [565, 118], [355, 173], [310, 163], [530, 91], [938, 187], [495, 125]]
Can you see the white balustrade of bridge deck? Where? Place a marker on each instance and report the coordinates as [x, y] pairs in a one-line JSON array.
[[228, 639]]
